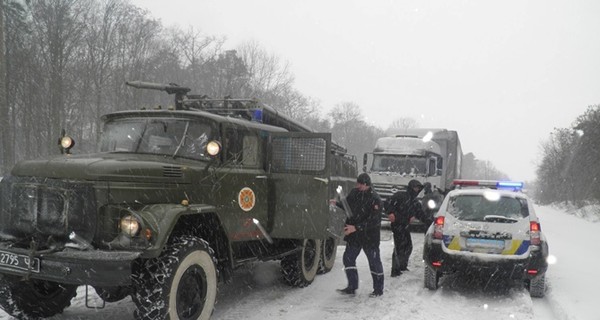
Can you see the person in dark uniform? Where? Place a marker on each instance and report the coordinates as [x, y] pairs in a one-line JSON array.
[[362, 232], [403, 206], [432, 199]]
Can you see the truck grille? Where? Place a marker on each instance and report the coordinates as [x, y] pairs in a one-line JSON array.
[[385, 191], [172, 172], [44, 209]]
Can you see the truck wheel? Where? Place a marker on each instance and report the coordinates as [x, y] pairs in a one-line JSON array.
[[537, 286], [431, 278], [328, 253], [26, 299], [300, 269], [179, 284], [112, 294]]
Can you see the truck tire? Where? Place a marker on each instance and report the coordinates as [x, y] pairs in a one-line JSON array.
[[300, 269], [112, 294], [328, 254], [537, 286], [431, 278], [32, 299], [179, 284]]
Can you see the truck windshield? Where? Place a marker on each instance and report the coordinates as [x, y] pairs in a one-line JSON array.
[[405, 165], [172, 137]]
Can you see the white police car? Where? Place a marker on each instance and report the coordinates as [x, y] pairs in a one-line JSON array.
[[487, 226]]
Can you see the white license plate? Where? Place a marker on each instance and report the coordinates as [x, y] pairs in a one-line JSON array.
[[19, 261], [485, 243]]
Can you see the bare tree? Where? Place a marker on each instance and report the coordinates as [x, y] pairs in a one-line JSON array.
[[268, 75], [5, 143], [58, 28], [350, 130], [400, 125]]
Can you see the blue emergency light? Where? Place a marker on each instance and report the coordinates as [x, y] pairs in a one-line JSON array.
[[257, 115], [509, 184]]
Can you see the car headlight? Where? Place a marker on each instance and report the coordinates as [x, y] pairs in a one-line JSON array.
[[130, 225]]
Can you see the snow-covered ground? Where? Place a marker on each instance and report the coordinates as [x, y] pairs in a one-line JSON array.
[[258, 293]]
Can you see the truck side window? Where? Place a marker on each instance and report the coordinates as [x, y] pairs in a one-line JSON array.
[[432, 168], [242, 148], [233, 146], [250, 151]]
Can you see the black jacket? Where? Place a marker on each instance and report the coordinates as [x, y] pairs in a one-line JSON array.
[[366, 217], [405, 205]]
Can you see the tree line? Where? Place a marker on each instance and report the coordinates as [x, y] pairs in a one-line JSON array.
[[64, 63], [568, 170]]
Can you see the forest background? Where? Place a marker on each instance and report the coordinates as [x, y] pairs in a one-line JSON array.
[[64, 63]]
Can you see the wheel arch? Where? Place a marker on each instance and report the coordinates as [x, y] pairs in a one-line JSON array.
[[172, 221]]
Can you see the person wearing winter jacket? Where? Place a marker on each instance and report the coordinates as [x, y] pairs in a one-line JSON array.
[[402, 207], [362, 232]]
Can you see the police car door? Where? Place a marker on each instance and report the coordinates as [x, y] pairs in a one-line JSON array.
[[299, 177]]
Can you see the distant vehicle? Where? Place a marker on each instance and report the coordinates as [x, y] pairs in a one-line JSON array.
[[431, 156], [487, 227], [173, 202]]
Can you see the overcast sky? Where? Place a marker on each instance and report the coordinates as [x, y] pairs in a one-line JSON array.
[[503, 74]]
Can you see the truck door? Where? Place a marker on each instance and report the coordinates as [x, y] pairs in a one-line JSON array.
[[298, 183]]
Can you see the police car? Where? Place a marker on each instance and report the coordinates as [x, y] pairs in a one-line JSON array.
[[487, 227]]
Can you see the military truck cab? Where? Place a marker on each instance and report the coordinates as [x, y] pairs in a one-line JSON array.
[[173, 201]]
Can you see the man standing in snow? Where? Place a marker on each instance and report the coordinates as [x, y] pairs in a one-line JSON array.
[[403, 206], [362, 232]]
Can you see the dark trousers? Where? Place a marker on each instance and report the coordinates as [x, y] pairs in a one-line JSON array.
[[350, 254], [402, 249]]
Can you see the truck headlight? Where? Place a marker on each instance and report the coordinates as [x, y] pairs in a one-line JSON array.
[[431, 204], [130, 226], [67, 142], [213, 148]]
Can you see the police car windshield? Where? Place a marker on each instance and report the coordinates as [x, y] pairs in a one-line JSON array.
[[480, 208], [404, 165], [171, 137]]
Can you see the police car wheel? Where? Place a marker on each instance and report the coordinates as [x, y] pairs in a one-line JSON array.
[[34, 298], [300, 269], [180, 284], [328, 254], [431, 278], [537, 286]]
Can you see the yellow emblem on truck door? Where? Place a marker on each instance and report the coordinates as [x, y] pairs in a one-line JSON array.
[[246, 199]]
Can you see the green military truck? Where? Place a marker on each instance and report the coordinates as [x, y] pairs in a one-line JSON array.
[[171, 204]]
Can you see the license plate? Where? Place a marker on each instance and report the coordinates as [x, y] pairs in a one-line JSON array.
[[19, 261], [485, 243]]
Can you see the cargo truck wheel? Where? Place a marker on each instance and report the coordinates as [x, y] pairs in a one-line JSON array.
[[431, 278], [328, 253], [537, 286], [300, 269], [32, 299], [112, 294], [180, 284]]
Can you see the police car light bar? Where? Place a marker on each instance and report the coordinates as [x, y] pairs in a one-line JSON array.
[[515, 185]]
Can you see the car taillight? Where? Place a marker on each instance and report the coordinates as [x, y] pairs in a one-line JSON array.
[[438, 226], [532, 272], [534, 232]]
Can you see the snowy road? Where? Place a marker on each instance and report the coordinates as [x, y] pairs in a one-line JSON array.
[[258, 293]]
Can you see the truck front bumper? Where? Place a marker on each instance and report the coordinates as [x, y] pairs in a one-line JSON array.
[[72, 266]]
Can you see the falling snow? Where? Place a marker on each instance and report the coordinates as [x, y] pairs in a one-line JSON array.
[[257, 291]]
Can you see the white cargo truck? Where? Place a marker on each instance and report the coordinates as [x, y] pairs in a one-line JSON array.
[[431, 156]]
